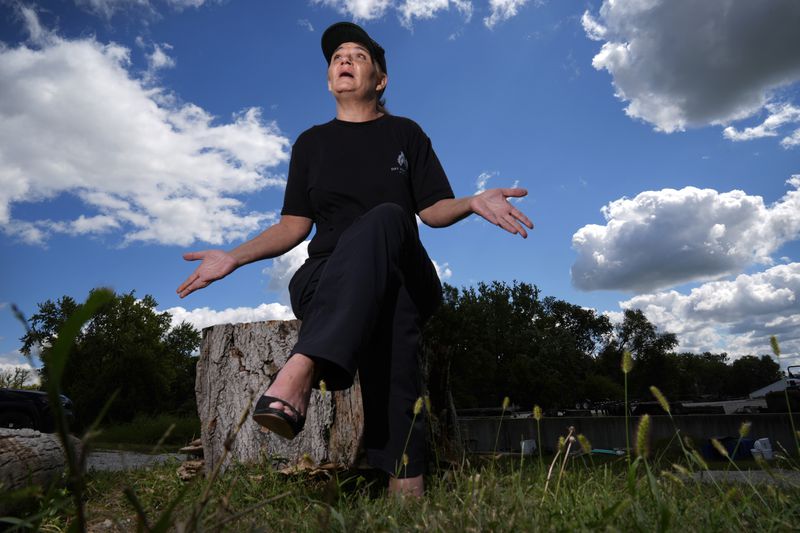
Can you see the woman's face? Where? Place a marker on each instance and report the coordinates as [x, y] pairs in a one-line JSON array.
[[351, 73]]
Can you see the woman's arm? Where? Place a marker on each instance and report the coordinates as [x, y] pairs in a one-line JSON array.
[[492, 204], [272, 242]]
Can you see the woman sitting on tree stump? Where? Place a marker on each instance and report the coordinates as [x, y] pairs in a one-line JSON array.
[[368, 285]]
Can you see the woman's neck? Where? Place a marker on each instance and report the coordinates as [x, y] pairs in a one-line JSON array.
[[357, 111]]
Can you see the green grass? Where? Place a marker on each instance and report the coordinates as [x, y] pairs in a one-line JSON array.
[[483, 496], [143, 432]]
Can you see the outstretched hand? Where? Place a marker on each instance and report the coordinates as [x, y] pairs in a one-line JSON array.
[[215, 264], [493, 205]]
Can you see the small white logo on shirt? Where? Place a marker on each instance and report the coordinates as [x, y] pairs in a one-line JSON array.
[[402, 164]]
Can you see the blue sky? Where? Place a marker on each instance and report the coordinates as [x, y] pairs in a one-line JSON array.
[[659, 142]]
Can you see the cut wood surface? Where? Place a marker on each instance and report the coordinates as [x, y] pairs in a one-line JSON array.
[[236, 365]]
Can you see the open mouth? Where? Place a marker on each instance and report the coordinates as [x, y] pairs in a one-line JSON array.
[[345, 75]]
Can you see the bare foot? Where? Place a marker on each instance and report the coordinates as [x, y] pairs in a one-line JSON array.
[[410, 486], [293, 384]]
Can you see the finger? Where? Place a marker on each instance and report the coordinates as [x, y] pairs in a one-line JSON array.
[[519, 215], [188, 282], [516, 192], [517, 227], [194, 256], [195, 285], [506, 225]]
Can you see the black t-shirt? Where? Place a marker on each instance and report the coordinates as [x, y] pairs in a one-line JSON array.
[[340, 170]]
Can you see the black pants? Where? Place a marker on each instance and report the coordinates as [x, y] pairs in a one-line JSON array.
[[362, 308]]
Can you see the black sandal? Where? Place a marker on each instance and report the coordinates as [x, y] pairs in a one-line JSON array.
[[276, 420]]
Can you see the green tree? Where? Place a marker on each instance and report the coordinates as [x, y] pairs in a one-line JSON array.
[[128, 346], [503, 340], [750, 373]]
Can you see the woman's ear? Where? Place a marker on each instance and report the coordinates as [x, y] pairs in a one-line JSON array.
[[382, 82]]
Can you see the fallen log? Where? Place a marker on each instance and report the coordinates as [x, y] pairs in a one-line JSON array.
[[30, 458]]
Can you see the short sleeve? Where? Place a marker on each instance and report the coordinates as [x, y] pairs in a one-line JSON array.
[[296, 200], [428, 179]]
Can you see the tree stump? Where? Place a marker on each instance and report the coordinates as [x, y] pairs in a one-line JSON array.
[[238, 362], [28, 457]]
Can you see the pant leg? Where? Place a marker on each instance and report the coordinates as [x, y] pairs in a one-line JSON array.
[[379, 253], [390, 386]]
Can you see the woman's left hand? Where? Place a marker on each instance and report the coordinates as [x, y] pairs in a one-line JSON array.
[[493, 205]]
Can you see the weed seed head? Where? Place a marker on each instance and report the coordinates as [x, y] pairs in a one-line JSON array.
[[537, 413], [776, 349], [586, 446], [680, 469], [627, 361], [323, 387], [562, 442], [744, 429], [720, 448], [506, 403], [405, 459], [418, 406], [642, 437], [662, 400]]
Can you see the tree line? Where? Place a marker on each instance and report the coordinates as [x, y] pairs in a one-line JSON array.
[[499, 340], [505, 340]]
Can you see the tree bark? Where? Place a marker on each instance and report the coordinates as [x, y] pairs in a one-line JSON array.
[[28, 457], [238, 362]]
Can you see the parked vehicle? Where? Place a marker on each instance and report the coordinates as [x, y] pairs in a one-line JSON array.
[[30, 409]]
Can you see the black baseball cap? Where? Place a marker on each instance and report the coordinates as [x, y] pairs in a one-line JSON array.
[[347, 32]]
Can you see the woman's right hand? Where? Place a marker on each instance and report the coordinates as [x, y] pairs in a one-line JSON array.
[[215, 264]]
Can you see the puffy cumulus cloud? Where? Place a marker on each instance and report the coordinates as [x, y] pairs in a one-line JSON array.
[[143, 164], [502, 10], [407, 10], [203, 317], [283, 268], [664, 238], [443, 270], [358, 9], [737, 316], [779, 115], [681, 63]]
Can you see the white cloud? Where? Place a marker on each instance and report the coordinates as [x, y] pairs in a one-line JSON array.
[[282, 269], [482, 179], [682, 63], [142, 163], [443, 270], [9, 368], [792, 140], [108, 8], [305, 23], [159, 59], [203, 317], [664, 238], [778, 116], [737, 316], [427, 9], [502, 10], [358, 9], [407, 10]]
